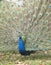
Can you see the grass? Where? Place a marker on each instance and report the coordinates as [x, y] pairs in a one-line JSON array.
[[9, 58], [32, 62]]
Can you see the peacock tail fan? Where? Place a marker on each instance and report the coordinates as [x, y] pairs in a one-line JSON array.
[[29, 17]]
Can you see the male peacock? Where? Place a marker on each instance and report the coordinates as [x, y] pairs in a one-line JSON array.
[[21, 46]]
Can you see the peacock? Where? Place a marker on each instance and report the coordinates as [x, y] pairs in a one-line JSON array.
[[30, 17]]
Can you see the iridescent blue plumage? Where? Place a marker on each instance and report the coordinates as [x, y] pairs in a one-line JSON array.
[[21, 45]]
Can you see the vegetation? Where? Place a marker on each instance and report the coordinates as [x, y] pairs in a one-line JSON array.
[[10, 58]]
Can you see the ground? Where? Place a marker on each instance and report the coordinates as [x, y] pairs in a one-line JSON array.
[[14, 58]]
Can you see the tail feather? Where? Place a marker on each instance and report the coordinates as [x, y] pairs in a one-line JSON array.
[[27, 52]]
